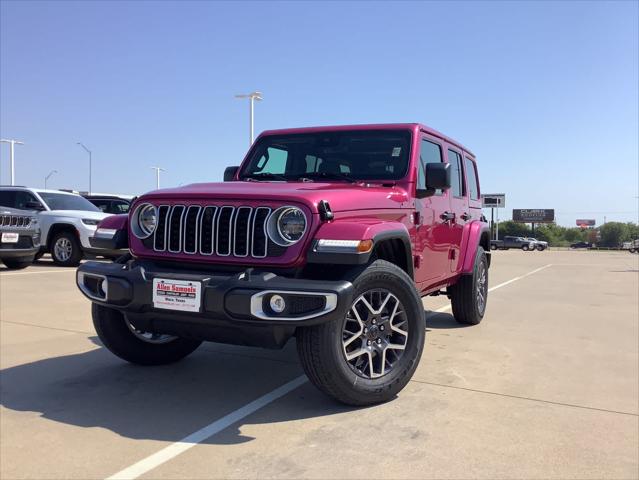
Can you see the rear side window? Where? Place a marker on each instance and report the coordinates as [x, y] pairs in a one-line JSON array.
[[429, 153], [456, 176], [471, 178]]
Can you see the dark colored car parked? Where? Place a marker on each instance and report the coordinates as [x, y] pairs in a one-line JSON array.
[[509, 242], [580, 245], [110, 203]]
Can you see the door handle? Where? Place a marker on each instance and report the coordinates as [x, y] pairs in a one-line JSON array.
[[464, 216], [447, 216]]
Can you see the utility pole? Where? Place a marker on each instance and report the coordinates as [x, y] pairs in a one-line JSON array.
[[12, 144], [90, 161], [157, 176], [253, 96], [48, 176]]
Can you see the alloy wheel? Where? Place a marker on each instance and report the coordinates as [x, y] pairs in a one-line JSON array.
[[482, 287], [63, 249], [375, 333]]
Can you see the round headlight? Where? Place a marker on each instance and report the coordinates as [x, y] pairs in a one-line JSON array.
[[286, 226], [144, 220]]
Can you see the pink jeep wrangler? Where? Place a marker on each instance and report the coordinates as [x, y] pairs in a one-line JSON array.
[[330, 234]]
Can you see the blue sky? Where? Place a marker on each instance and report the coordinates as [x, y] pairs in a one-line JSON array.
[[544, 93]]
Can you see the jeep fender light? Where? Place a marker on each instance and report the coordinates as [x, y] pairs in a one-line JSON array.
[[343, 246]]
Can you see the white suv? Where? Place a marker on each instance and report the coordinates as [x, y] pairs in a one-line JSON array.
[[67, 221]]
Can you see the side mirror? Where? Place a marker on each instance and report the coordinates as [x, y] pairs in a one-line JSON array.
[[229, 173], [34, 206], [437, 178]]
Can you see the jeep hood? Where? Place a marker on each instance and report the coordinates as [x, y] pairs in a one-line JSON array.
[[74, 214], [341, 196]]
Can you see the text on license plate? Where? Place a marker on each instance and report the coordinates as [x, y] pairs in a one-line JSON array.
[[8, 237], [184, 295]]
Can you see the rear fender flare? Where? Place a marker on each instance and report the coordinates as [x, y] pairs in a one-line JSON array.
[[475, 234]]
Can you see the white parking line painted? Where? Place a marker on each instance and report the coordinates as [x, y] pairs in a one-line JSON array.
[[175, 449], [171, 451], [508, 282], [60, 270]]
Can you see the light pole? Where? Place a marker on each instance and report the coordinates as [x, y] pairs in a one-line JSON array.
[[252, 97], [89, 152], [157, 176], [48, 177], [12, 144]]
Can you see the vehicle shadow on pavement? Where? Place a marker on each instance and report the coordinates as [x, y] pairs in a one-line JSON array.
[[167, 403], [441, 320]]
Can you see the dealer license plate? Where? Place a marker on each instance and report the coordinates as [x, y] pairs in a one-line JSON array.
[[8, 237], [183, 295]]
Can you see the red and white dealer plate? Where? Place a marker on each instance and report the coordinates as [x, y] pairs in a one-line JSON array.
[[8, 237], [183, 295]]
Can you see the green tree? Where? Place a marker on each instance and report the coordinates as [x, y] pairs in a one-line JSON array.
[[613, 234]]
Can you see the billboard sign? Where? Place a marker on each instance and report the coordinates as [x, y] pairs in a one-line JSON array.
[[493, 200], [585, 222], [534, 215]]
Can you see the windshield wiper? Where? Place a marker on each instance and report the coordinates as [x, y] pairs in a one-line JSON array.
[[264, 176], [329, 175]]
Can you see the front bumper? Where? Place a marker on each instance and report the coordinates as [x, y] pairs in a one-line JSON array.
[[235, 307]]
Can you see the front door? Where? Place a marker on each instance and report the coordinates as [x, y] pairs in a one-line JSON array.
[[432, 230]]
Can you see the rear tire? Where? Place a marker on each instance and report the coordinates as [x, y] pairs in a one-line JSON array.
[[541, 248], [362, 358], [470, 294], [66, 250], [493, 247], [119, 337], [17, 263], [525, 248]]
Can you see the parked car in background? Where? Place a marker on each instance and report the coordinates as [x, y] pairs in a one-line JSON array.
[[540, 245], [509, 242], [112, 204], [632, 246], [19, 238], [330, 235], [580, 245], [66, 221]]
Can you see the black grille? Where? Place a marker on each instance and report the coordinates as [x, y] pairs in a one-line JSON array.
[[15, 221], [214, 230]]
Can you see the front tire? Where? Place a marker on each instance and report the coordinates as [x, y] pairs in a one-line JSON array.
[[17, 263], [66, 250], [370, 354], [525, 248], [470, 294], [541, 248], [135, 346]]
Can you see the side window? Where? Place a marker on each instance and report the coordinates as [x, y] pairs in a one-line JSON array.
[[428, 153], [456, 175], [118, 206], [103, 205], [471, 178], [7, 199], [22, 198], [273, 162]]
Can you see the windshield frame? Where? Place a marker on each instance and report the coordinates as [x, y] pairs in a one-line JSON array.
[[256, 149], [47, 201]]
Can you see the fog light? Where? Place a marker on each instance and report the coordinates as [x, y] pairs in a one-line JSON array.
[[277, 303]]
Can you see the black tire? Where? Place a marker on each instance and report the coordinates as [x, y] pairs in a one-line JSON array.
[[322, 352], [525, 248], [493, 247], [117, 336], [467, 308], [541, 248], [75, 255], [17, 263]]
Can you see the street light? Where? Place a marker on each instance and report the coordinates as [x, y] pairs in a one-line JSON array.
[[157, 176], [89, 152], [252, 97], [12, 143], [48, 177]]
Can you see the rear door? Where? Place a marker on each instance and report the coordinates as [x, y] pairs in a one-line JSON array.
[[458, 205], [433, 234]]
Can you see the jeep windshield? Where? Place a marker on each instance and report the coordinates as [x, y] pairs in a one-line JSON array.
[[330, 156], [62, 201]]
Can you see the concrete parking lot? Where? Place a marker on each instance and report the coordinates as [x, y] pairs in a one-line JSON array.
[[545, 387]]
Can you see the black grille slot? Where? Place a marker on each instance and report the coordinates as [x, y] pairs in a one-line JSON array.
[[224, 224], [207, 230], [190, 229], [14, 221], [259, 232], [242, 231], [159, 241], [175, 228]]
